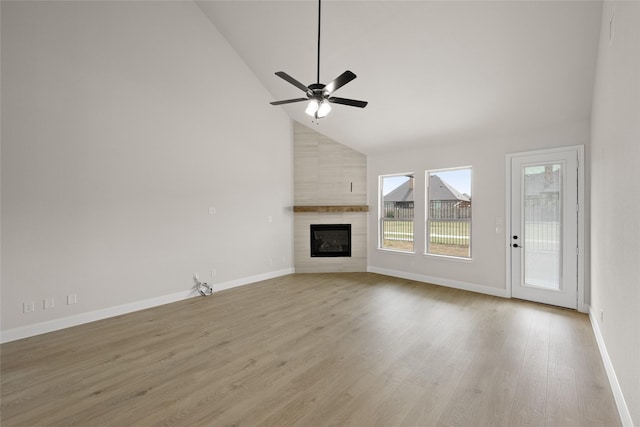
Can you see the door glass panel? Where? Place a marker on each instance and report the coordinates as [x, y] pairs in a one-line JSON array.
[[542, 234]]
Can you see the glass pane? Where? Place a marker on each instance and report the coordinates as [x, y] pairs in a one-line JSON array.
[[449, 213], [396, 218], [542, 231]]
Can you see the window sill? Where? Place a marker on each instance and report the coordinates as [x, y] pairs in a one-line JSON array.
[[448, 257], [395, 251]]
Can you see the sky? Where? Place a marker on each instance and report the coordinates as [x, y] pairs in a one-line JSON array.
[[460, 179]]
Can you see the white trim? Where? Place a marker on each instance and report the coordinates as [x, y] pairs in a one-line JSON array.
[[581, 304], [92, 316], [623, 410], [456, 284], [380, 209], [251, 279], [427, 202], [507, 223], [449, 258], [396, 251]]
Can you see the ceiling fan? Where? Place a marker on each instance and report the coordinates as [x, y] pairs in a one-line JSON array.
[[318, 94]]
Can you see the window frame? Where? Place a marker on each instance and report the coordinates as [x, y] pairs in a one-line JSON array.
[[427, 218], [382, 212]]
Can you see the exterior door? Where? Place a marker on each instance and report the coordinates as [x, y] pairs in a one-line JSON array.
[[544, 227]]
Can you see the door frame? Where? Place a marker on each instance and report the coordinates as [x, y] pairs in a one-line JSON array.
[[582, 306]]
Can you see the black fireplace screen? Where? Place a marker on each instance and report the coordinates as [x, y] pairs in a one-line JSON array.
[[330, 240]]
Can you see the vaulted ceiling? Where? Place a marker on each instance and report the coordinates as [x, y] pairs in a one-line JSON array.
[[432, 71]]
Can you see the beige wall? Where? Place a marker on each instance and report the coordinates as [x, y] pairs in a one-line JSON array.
[[122, 124], [486, 271], [615, 207], [328, 173]]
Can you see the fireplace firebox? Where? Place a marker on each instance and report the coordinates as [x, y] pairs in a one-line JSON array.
[[330, 240]]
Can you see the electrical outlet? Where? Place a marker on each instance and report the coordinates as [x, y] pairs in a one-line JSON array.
[[214, 272], [28, 307], [212, 211], [72, 299], [48, 303]]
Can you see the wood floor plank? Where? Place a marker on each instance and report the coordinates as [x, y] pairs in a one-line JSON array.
[[344, 349]]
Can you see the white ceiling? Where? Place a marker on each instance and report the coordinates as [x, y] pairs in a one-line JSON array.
[[433, 72]]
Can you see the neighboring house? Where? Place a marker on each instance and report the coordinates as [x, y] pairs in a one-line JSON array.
[[445, 202], [542, 195], [398, 203], [540, 182]]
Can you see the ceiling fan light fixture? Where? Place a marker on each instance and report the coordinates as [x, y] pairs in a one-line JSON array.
[[312, 108], [323, 109], [318, 108]]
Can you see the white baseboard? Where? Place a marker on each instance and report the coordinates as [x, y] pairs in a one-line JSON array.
[[92, 316], [623, 409], [251, 279], [583, 308], [465, 286]]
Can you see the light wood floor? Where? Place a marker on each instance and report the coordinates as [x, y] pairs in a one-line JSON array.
[[355, 349]]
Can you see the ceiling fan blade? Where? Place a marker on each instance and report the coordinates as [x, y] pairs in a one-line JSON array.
[[349, 102], [289, 101], [339, 81], [291, 80]]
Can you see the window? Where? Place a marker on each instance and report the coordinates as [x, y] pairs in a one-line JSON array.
[[449, 212], [396, 212]]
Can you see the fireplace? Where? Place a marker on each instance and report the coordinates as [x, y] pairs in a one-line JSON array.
[[330, 240]]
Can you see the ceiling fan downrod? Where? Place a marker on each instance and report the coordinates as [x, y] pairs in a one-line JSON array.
[[320, 95], [318, 62]]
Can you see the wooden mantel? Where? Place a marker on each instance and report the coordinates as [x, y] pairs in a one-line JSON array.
[[332, 208]]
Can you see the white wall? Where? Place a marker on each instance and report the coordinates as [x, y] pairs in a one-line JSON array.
[[122, 123], [615, 210], [486, 271]]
